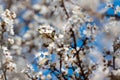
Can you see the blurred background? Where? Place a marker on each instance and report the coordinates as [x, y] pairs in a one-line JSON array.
[[33, 13]]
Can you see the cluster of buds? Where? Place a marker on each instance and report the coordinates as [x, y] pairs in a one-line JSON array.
[[49, 35], [6, 27], [8, 20], [46, 31], [8, 59], [90, 31], [77, 17]]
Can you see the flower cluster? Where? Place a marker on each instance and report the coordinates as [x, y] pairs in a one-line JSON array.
[[8, 19], [91, 29], [29, 72], [46, 31], [8, 60], [6, 40]]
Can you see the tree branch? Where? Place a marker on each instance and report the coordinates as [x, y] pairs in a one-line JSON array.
[[63, 5]]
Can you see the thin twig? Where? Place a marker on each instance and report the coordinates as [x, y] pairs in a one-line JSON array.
[[63, 5], [78, 58]]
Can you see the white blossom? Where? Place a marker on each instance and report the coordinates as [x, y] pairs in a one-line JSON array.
[[117, 10]]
